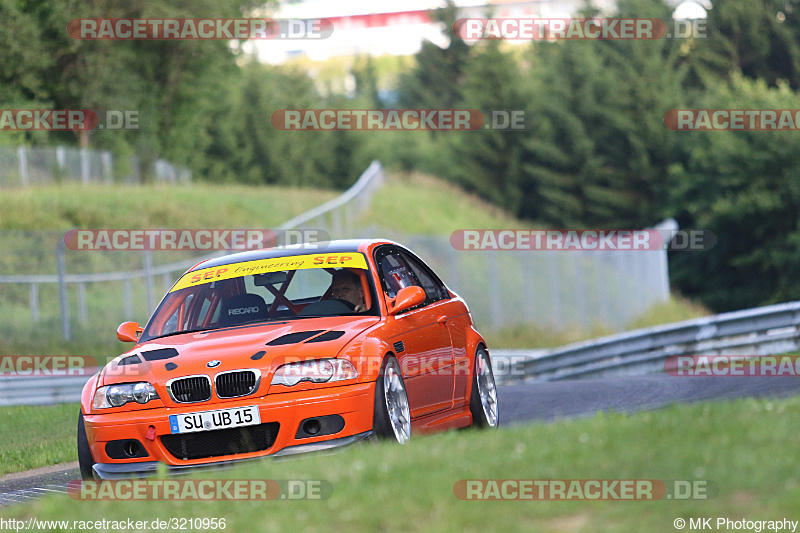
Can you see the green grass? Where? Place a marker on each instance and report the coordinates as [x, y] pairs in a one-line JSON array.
[[153, 206], [745, 447], [418, 204], [35, 436]]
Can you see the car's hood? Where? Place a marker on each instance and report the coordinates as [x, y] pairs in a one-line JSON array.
[[188, 354]]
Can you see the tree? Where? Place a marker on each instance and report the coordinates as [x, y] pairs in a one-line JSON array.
[[759, 38], [435, 82], [487, 161], [743, 187], [599, 151]]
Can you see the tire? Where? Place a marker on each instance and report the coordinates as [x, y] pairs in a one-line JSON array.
[[85, 461], [392, 418], [483, 401]]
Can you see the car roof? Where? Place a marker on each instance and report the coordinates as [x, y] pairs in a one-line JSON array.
[[329, 247]]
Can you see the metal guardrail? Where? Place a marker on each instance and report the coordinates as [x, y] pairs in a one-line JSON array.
[[766, 330], [43, 390], [760, 331], [371, 179]]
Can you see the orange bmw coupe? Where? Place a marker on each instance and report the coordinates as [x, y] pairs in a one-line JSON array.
[[287, 350]]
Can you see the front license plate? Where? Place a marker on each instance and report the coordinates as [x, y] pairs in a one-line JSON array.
[[218, 419]]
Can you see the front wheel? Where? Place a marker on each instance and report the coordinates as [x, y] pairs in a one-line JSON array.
[[85, 461], [392, 419], [483, 403]]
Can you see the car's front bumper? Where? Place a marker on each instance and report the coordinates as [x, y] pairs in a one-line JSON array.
[[128, 470], [354, 403]]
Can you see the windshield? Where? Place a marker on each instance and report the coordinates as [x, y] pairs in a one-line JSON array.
[[278, 289]]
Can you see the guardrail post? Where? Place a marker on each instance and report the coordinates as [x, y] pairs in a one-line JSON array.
[[62, 291]]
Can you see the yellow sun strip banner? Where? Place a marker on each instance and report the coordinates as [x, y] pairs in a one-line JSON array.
[[260, 266]]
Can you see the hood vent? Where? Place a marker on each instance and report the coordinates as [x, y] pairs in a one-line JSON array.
[[328, 336], [130, 360], [157, 355], [293, 338]]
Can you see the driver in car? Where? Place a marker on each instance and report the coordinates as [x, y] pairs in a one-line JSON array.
[[346, 285]]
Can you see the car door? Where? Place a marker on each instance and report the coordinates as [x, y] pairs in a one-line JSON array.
[[455, 316], [422, 344]]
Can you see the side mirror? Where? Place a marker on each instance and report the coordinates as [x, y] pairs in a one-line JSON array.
[[407, 298], [129, 331]]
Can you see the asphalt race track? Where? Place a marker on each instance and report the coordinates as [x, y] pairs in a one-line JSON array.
[[519, 403]]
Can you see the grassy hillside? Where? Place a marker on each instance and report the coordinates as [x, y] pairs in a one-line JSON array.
[[153, 206], [421, 204]]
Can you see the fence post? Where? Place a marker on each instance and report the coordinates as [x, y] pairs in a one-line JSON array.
[[85, 171], [83, 315], [554, 284], [22, 156], [108, 166], [148, 280], [528, 294], [62, 291], [34, 298], [495, 306], [61, 157], [126, 296], [336, 224], [166, 282]]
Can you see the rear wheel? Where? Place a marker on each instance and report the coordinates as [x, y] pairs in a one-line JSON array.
[[85, 461], [483, 403], [392, 419]]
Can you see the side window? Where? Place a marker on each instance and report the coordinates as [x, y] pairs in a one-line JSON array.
[[393, 271], [434, 288]]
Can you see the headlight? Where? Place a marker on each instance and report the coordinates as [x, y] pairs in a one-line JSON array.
[[118, 395], [315, 371]]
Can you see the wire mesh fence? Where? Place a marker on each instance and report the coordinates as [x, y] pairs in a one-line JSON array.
[[24, 166]]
